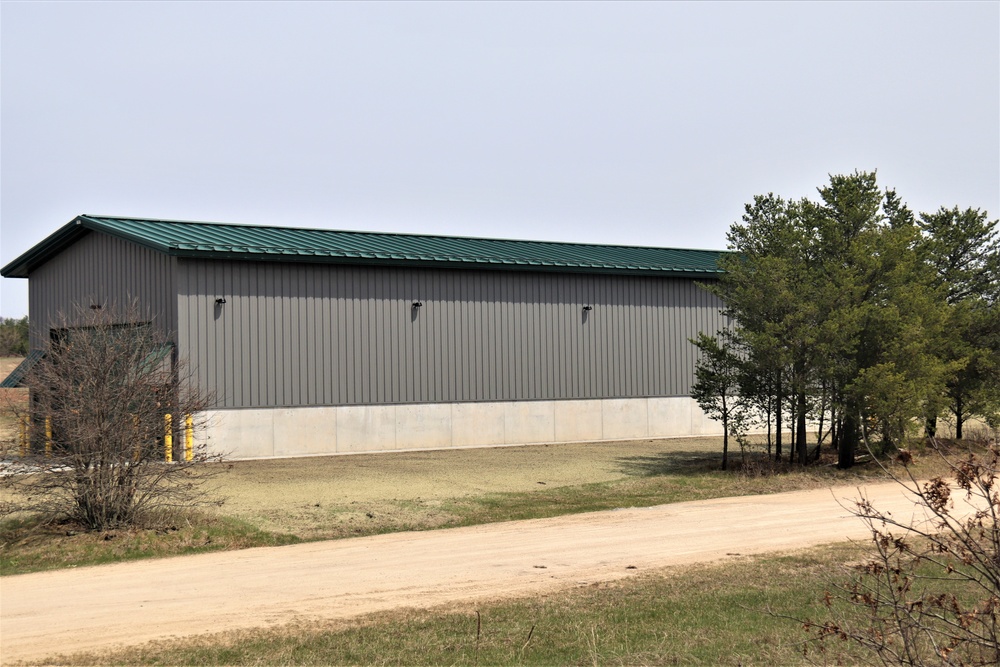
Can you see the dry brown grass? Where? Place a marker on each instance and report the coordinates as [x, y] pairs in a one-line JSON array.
[[328, 494], [342, 496], [10, 398]]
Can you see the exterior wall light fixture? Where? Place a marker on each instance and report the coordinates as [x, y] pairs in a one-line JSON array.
[[588, 308], [417, 304], [221, 300]]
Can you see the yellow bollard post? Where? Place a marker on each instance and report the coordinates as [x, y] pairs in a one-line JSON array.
[[168, 438], [48, 437], [189, 438], [23, 447]]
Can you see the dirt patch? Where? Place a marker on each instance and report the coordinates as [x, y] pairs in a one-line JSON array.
[[10, 398], [7, 366]]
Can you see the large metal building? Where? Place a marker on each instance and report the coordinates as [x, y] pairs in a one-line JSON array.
[[319, 341]]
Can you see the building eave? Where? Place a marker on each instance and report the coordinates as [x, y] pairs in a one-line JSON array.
[[387, 250]]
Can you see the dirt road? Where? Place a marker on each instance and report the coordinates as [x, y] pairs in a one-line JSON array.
[[97, 607]]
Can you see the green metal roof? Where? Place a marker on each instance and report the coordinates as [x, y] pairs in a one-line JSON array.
[[253, 242], [153, 359], [16, 377]]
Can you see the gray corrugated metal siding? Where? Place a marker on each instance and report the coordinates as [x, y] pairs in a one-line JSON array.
[[302, 334], [101, 270]]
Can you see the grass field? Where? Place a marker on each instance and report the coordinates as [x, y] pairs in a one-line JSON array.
[[713, 614], [283, 501]]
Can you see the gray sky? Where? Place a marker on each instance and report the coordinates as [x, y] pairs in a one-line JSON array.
[[623, 123]]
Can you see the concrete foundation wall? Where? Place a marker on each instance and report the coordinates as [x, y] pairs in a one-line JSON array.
[[273, 432]]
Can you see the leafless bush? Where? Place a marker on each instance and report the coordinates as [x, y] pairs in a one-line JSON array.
[[982, 434], [758, 467], [107, 439], [930, 594]]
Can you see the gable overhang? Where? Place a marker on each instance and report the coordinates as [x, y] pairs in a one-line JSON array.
[[40, 253]]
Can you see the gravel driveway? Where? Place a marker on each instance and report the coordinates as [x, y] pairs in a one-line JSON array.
[[97, 607]]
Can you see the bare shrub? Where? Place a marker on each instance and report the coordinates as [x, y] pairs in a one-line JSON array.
[[930, 593], [107, 439], [982, 434], [758, 467]]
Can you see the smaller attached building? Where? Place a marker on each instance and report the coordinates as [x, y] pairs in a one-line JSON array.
[[320, 341]]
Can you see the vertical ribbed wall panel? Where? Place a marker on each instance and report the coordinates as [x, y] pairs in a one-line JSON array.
[[106, 271], [320, 334]]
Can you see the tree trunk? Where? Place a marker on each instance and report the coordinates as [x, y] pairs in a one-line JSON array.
[[725, 442], [849, 437], [777, 419], [769, 443], [834, 428], [725, 432], [800, 430], [792, 421], [959, 418], [930, 427], [822, 415]]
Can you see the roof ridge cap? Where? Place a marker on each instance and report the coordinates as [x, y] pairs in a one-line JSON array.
[[585, 244]]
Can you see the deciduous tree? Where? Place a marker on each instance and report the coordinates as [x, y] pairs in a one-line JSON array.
[[930, 593], [717, 383], [13, 337], [110, 431]]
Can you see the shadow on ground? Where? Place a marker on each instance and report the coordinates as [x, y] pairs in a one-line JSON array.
[[669, 463]]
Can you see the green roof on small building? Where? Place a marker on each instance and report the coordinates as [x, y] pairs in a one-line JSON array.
[[257, 242], [16, 377]]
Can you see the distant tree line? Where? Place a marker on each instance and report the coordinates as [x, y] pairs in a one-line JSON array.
[[13, 336], [853, 315]]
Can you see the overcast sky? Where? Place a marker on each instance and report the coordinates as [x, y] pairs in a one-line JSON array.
[[648, 124]]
